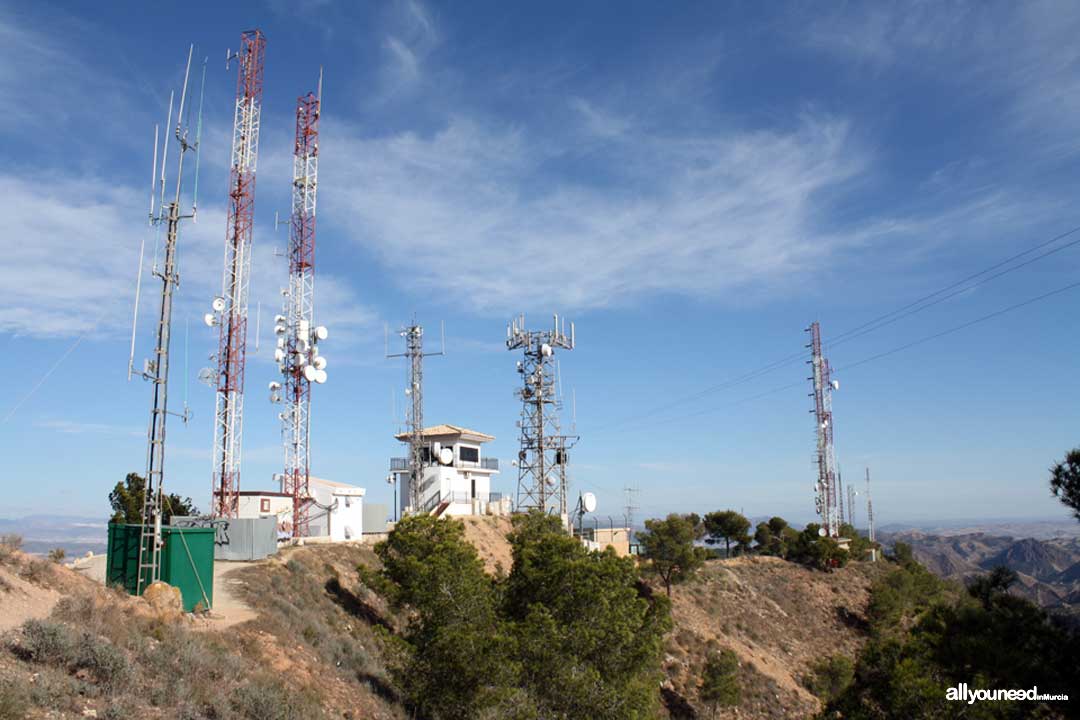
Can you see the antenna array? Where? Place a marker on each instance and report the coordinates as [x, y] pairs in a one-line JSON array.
[[414, 350], [826, 496], [542, 458], [297, 351], [166, 214], [230, 309]]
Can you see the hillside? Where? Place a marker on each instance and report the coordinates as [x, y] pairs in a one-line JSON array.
[[1048, 569], [778, 617], [314, 650]]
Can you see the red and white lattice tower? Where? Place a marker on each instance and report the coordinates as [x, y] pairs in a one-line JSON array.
[[231, 307], [826, 496], [298, 338]]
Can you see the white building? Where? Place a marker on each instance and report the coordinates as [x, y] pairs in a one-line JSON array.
[[337, 513], [456, 477]]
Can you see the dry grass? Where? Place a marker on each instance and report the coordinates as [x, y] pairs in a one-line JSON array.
[[778, 617]]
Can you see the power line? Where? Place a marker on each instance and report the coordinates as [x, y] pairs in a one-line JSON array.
[[968, 324], [879, 356], [887, 320], [871, 325]]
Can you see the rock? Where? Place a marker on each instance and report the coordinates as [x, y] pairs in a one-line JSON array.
[[164, 599]]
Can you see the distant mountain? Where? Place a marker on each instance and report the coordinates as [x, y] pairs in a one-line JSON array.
[[1040, 559], [1048, 570], [41, 533]]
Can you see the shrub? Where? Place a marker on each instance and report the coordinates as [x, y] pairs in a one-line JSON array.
[[37, 571], [14, 700], [46, 642], [103, 660], [57, 555], [829, 677], [268, 699]]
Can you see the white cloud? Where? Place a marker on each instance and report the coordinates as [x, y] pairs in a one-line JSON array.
[[72, 427], [476, 213]]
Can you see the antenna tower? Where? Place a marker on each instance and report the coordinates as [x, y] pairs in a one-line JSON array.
[[851, 493], [542, 459], [840, 495], [298, 338], [156, 369], [826, 500], [231, 307], [870, 518], [414, 350], [628, 514]]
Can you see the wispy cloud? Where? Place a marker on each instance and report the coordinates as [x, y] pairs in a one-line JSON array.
[[73, 427], [487, 222]]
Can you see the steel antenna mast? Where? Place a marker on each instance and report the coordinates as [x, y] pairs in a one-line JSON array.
[[826, 498], [870, 518], [542, 458], [230, 309], [156, 369], [298, 338], [414, 350]]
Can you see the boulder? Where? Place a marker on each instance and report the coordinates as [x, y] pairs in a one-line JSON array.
[[164, 599]]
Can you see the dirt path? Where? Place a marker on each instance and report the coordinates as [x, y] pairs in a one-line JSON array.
[[228, 608]]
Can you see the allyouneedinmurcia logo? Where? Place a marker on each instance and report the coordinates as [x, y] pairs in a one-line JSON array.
[[963, 693]]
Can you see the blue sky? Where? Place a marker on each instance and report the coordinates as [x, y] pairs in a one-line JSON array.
[[692, 187]]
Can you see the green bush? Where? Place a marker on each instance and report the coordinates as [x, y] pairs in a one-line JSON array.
[[57, 555], [829, 677], [47, 642], [107, 664]]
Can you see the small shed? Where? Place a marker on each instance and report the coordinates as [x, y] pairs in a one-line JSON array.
[[187, 562]]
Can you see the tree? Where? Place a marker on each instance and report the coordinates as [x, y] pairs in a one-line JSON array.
[[588, 641], [566, 634], [727, 525], [720, 681], [126, 500], [773, 537], [455, 656], [1065, 481], [668, 545], [816, 550]]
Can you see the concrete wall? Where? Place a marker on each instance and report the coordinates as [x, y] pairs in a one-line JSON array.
[[374, 518]]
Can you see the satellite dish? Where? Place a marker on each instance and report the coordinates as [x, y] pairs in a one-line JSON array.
[[279, 329], [545, 350], [446, 456], [279, 354], [321, 332], [320, 376], [275, 385], [588, 502], [301, 344], [821, 532], [835, 384], [207, 375], [279, 318], [218, 304], [309, 373], [208, 318], [320, 363]]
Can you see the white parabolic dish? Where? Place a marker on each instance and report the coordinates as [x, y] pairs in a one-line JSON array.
[[588, 502]]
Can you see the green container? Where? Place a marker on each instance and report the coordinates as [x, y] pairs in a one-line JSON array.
[[187, 561]]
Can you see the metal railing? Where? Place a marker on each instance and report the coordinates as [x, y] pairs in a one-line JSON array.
[[399, 464], [489, 463]]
